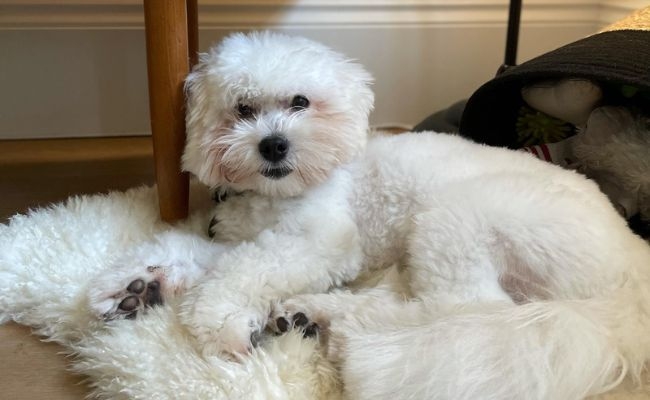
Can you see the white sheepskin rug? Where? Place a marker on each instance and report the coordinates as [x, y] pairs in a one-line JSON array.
[[49, 256]]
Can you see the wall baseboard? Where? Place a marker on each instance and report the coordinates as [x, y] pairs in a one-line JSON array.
[[256, 14]]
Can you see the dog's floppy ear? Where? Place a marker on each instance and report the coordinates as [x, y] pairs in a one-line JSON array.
[[196, 95], [198, 118], [362, 80]]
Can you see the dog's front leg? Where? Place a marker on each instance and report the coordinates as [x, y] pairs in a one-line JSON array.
[[151, 272], [228, 310]]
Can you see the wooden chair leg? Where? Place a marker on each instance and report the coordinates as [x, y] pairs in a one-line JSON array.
[[193, 31], [166, 26]]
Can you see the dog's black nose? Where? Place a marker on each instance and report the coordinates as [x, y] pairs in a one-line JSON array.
[[274, 148]]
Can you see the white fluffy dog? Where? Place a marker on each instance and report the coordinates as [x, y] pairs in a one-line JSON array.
[[524, 282]]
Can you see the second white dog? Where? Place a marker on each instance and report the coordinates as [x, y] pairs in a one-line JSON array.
[[525, 282]]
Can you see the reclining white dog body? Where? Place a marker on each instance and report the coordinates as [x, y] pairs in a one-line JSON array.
[[526, 282]]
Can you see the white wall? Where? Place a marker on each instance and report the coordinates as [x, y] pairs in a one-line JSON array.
[[77, 67]]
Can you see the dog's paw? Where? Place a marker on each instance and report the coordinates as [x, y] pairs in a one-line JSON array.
[[295, 314], [299, 320], [316, 318], [114, 297]]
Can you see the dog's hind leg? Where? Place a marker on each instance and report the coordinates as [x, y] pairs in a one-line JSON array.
[[519, 238], [450, 260]]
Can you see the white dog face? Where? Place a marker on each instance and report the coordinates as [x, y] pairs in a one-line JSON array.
[[274, 114]]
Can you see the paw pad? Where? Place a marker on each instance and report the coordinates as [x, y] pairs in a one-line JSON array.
[[298, 321], [137, 286], [129, 304], [136, 297]]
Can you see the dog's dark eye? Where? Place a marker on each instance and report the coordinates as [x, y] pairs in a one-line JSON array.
[[244, 111], [299, 102]]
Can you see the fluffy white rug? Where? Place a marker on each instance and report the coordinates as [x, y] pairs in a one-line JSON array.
[[49, 256]]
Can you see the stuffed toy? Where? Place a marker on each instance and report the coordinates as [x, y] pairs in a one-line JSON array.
[[612, 144], [570, 100]]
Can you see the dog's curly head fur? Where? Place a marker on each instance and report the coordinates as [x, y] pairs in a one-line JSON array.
[[274, 114]]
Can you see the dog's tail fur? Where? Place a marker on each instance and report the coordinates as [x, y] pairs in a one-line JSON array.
[[559, 350]]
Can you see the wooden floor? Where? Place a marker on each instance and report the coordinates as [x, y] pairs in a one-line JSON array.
[[34, 369], [34, 173]]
